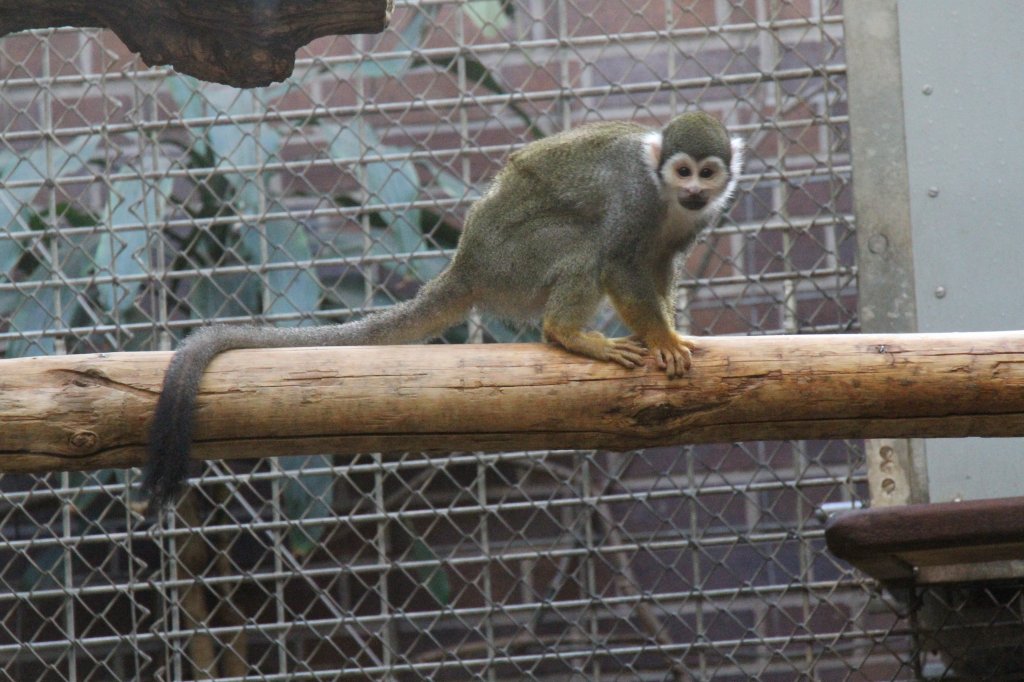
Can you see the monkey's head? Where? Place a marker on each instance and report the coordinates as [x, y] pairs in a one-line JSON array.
[[696, 160]]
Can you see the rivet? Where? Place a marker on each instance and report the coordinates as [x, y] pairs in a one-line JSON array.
[[878, 244]]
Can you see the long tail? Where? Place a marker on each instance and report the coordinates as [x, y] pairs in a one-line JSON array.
[[439, 305]]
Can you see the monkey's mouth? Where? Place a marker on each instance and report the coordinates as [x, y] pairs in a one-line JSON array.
[[694, 203]]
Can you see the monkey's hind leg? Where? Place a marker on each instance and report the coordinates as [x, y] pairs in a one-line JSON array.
[[568, 309]]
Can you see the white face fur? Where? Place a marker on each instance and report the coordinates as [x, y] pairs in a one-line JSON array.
[[696, 184]]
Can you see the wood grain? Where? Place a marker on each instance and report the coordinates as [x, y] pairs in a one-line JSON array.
[[91, 411]]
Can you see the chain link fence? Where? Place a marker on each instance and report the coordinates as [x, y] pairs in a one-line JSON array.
[[137, 204]]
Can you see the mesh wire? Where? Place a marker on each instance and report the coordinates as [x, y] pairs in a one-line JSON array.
[[137, 204]]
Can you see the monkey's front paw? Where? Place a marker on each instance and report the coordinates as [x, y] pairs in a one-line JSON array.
[[625, 351], [673, 354]]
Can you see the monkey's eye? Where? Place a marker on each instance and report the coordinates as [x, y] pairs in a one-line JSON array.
[[684, 171], [706, 172]]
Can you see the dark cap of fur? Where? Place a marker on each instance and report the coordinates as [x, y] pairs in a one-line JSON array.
[[698, 134]]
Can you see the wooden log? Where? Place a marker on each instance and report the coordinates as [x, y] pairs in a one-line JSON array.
[[245, 43], [90, 411]]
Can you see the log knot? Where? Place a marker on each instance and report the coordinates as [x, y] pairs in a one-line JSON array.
[[84, 442], [657, 415]]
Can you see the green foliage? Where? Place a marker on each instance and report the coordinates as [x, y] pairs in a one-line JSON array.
[[47, 565], [433, 578], [491, 14], [131, 201], [306, 497], [224, 159], [31, 306], [478, 74]]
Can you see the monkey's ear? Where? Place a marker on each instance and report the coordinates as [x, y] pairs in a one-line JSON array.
[[739, 150], [652, 152]]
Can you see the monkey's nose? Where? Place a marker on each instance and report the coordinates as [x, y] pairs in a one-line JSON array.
[[688, 195]]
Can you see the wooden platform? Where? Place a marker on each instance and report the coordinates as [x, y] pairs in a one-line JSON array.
[[933, 543]]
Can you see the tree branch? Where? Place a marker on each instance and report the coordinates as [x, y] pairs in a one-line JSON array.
[[245, 43], [92, 411]]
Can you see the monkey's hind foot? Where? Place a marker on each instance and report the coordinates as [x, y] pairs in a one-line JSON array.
[[672, 354]]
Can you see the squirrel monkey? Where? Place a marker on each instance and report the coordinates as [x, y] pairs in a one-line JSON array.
[[601, 210]]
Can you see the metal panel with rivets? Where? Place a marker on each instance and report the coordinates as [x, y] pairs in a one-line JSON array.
[[962, 72]]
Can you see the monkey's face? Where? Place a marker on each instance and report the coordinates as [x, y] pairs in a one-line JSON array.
[[695, 182]]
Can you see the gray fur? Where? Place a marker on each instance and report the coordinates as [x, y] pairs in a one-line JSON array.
[[570, 219]]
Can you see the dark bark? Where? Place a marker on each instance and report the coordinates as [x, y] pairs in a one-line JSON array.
[[245, 43]]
